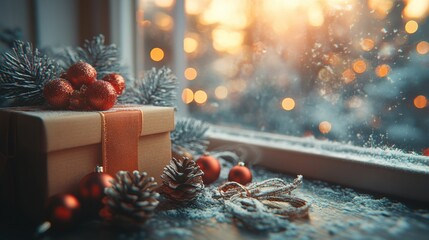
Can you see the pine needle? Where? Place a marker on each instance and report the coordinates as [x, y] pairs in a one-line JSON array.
[[23, 73], [190, 135], [158, 88], [104, 58]]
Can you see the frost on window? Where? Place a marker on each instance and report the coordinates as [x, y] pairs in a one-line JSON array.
[[351, 71]]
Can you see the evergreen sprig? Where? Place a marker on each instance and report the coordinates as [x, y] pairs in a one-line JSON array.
[[104, 58], [190, 134], [158, 88], [23, 73]]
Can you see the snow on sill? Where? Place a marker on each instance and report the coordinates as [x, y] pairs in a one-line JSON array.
[[385, 171], [391, 158]]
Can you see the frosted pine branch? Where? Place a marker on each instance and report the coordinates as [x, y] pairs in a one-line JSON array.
[[190, 135], [158, 88], [23, 73], [104, 58]]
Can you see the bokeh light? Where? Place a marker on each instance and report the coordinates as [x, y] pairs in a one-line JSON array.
[[420, 101], [225, 40], [416, 8], [359, 66], [221, 92], [157, 54], [163, 21], [325, 127], [367, 44], [187, 95], [381, 8], [190, 44], [164, 3], [195, 7], [382, 70], [348, 76], [288, 104], [200, 96], [190, 73], [315, 16], [411, 26], [422, 47]]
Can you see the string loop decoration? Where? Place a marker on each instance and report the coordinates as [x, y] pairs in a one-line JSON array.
[[274, 194]]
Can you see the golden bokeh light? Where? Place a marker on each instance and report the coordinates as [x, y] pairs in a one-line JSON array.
[[382, 70], [288, 104], [190, 44], [420, 101], [359, 66], [380, 7], [348, 76], [164, 3], [315, 16], [367, 44], [200, 96], [195, 7], [221, 92], [422, 47], [416, 8], [232, 17], [163, 21], [225, 40], [325, 127], [187, 95], [157, 54], [411, 27], [190, 73]]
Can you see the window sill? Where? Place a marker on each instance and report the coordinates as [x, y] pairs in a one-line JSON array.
[[388, 172]]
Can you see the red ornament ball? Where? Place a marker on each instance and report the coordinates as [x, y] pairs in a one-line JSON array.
[[211, 168], [57, 93], [240, 174], [91, 190], [62, 211], [78, 99], [426, 152], [81, 73], [101, 95], [117, 81]]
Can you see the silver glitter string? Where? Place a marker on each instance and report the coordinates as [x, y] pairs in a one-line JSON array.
[[274, 194]]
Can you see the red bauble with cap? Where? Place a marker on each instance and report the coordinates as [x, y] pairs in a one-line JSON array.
[[240, 174], [211, 168], [91, 190]]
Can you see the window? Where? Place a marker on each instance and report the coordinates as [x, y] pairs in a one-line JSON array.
[[340, 83], [351, 71]]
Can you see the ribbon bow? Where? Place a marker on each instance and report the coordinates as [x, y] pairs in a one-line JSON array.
[[274, 194]]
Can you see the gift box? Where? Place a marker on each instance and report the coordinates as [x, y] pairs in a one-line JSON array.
[[44, 152]]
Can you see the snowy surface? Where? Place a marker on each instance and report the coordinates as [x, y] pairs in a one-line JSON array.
[[376, 155], [336, 213]]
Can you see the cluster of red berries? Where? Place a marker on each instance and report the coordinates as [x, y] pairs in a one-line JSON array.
[[79, 89]]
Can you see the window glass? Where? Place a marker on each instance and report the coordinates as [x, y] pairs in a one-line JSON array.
[[351, 71]]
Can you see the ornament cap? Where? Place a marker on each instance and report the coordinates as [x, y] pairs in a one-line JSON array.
[[242, 164], [99, 169]]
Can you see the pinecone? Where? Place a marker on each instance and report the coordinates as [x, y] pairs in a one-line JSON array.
[[182, 181], [131, 200]]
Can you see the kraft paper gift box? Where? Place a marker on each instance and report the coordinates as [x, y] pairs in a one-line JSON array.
[[44, 152]]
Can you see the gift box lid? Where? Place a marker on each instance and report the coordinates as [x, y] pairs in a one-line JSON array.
[[70, 129]]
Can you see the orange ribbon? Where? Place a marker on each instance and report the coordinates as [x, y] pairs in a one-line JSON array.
[[120, 137]]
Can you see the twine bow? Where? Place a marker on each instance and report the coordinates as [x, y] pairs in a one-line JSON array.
[[274, 194]]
